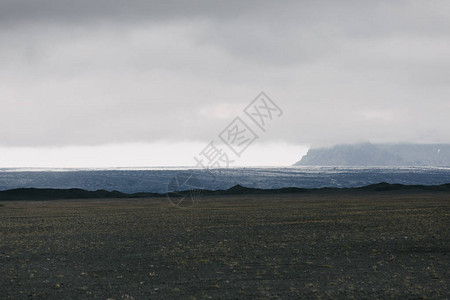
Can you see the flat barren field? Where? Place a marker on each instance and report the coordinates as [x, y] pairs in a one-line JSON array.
[[371, 245]]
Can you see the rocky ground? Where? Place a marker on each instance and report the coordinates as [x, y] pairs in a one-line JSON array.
[[379, 245]]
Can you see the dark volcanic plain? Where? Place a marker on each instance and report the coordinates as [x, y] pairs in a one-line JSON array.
[[327, 245]]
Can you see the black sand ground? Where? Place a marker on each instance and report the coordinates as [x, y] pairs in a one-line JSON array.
[[373, 245]]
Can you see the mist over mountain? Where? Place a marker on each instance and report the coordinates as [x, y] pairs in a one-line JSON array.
[[367, 154]]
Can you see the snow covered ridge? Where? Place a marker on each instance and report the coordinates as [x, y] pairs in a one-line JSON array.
[[156, 180]]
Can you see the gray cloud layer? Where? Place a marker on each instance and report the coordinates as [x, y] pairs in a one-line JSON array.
[[94, 72]]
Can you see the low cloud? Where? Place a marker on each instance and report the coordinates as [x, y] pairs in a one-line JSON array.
[[91, 73]]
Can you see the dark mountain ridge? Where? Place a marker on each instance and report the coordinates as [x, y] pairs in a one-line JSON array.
[[60, 194]]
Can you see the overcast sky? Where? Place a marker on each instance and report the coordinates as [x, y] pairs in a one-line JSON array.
[[128, 83]]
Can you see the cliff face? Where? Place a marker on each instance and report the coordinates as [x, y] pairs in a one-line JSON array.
[[368, 154]]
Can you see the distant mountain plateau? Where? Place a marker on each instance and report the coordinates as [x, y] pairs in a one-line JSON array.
[[382, 155]]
